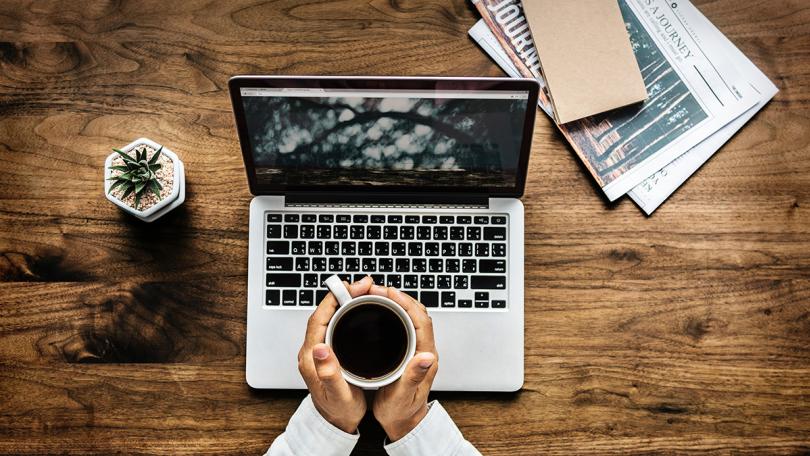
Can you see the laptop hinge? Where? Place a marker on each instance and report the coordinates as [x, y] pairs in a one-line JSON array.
[[385, 199]]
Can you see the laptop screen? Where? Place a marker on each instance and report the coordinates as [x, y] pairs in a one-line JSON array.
[[301, 137]]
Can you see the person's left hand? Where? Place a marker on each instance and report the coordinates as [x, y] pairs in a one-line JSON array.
[[341, 404]]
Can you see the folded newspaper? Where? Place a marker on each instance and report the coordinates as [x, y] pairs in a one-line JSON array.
[[701, 90]]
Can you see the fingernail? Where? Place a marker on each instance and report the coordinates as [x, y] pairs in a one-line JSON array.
[[369, 277], [320, 352], [426, 363]]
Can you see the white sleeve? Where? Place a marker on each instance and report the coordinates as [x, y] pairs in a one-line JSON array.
[[435, 435], [309, 434]]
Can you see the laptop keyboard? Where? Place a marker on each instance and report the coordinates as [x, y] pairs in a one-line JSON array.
[[445, 261]]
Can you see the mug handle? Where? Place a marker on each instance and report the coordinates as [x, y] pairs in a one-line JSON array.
[[335, 285]]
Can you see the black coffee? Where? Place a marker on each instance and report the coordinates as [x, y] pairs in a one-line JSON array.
[[370, 341]]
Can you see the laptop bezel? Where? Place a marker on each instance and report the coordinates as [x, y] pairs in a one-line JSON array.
[[376, 83]]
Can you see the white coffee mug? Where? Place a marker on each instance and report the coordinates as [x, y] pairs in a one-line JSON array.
[[346, 303]]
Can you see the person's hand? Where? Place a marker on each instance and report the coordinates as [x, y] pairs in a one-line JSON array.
[[338, 402], [400, 406]]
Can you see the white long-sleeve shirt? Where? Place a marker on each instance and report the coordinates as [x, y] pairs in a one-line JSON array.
[[309, 434]]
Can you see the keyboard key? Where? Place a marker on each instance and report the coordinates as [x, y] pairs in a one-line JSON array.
[[482, 282], [447, 220], [315, 248], [353, 264], [464, 303], [423, 233], [279, 264], [348, 248], [482, 296], [448, 249], [326, 218], [332, 248], [288, 297], [498, 220], [448, 299], [429, 298], [465, 249], [498, 249], [463, 220], [398, 249], [377, 219], [481, 249], [344, 218], [414, 249], [473, 233], [306, 298], [360, 219], [452, 265], [273, 231], [394, 219], [460, 282], [411, 293], [403, 265], [290, 231], [431, 249], [278, 247], [499, 304], [427, 282], [309, 218], [468, 266], [311, 280], [381, 248], [491, 266], [481, 220], [390, 232], [444, 282], [324, 232], [369, 265], [378, 278], [299, 248], [429, 219], [439, 233], [373, 232], [385, 264], [291, 218], [411, 219], [278, 280], [419, 265], [302, 264], [272, 297], [357, 278], [393, 280], [319, 295], [307, 231], [436, 265], [341, 231], [406, 232], [357, 231], [364, 248], [410, 281], [481, 304], [456, 233], [273, 218], [492, 233], [336, 264]]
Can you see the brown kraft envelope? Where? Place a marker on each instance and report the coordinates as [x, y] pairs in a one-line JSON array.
[[585, 56]]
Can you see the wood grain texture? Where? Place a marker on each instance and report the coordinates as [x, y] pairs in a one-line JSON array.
[[684, 332]]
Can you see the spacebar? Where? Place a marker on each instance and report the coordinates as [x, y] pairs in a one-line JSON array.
[[481, 282]]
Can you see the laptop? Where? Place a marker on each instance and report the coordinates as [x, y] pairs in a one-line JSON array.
[[414, 181]]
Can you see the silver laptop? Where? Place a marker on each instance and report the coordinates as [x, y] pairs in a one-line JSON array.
[[413, 181]]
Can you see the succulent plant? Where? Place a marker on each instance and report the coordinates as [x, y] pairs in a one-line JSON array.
[[137, 175]]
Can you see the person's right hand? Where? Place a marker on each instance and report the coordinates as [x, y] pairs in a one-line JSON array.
[[400, 406], [341, 404]]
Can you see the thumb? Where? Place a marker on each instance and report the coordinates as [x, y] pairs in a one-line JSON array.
[[328, 370], [417, 369]]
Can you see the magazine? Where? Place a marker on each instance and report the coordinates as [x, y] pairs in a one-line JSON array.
[[690, 96]]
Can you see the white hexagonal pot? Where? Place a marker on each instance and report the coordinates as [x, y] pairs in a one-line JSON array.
[[175, 198]]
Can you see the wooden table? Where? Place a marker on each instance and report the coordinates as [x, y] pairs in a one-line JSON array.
[[688, 331]]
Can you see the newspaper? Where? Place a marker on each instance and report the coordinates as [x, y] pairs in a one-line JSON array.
[[657, 188], [690, 95]]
